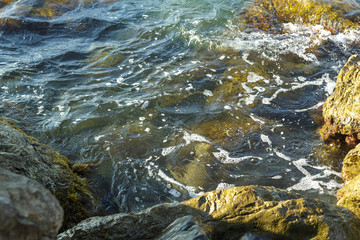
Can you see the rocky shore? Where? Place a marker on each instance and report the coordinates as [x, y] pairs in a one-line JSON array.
[[44, 196], [38, 187]]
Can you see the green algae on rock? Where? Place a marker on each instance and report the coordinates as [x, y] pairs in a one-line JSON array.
[[269, 15], [341, 111], [230, 214], [24, 155]]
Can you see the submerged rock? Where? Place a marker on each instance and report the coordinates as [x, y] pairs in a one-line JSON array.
[[269, 15], [28, 210], [231, 213], [24, 155], [341, 111]]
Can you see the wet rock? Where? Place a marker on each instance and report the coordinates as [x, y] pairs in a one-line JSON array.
[[271, 15], [349, 195], [254, 236], [341, 110], [232, 213], [147, 224], [24, 155], [351, 164], [28, 210], [186, 228], [278, 213]]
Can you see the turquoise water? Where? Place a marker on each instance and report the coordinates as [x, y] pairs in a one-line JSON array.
[[170, 99]]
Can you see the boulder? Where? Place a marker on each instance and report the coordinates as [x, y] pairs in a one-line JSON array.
[[341, 110], [231, 214], [186, 228], [349, 196], [28, 210], [147, 224], [351, 164], [24, 155]]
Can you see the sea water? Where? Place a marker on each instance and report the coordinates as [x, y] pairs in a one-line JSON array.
[[169, 99]]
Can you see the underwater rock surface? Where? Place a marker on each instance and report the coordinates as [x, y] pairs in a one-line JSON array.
[[230, 213], [24, 155]]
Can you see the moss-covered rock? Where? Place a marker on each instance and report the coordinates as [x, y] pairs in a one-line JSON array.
[[351, 164], [24, 155], [269, 15], [278, 213], [341, 111], [231, 213]]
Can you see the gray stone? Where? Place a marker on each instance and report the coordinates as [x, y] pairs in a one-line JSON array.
[[24, 155], [254, 236], [28, 210], [186, 228]]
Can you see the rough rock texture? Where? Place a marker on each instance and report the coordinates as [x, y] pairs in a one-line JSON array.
[[147, 224], [24, 155], [27, 209], [269, 15], [351, 164], [341, 111], [233, 212], [186, 228], [349, 196]]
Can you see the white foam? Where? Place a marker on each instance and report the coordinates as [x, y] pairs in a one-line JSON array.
[[194, 138], [266, 139], [189, 189], [309, 181], [175, 193], [208, 93], [224, 186], [223, 156], [253, 77], [256, 119], [167, 151], [316, 106], [97, 138], [245, 56], [281, 155]]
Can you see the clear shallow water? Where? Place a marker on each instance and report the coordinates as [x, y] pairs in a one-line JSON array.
[[173, 98]]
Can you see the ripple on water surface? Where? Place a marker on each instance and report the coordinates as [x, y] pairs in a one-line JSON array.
[[172, 98]]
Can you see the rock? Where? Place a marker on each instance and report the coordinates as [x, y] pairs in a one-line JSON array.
[[28, 210], [278, 213], [254, 236], [186, 228], [349, 196], [351, 164], [231, 213], [147, 224], [270, 15], [24, 155], [341, 110]]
